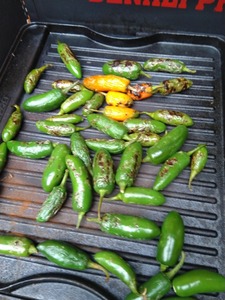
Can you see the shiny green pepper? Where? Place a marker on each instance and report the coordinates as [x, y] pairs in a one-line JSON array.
[[144, 125], [113, 146], [16, 246], [13, 125], [3, 155], [66, 118]]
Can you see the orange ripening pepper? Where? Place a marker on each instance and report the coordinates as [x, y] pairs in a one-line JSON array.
[[120, 113], [140, 91], [105, 83], [118, 99]]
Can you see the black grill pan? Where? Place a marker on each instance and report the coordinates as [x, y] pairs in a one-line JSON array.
[[21, 194]]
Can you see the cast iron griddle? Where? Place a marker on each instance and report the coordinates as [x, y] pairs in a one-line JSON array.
[[21, 195]]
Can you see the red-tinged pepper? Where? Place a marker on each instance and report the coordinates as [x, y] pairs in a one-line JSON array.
[[16, 246], [71, 62], [166, 65], [82, 194], [33, 77], [171, 117], [127, 226], [13, 125], [171, 168], [68, 256], [116, 265], [198, 281], [198, 161], [126, 68], [103, 175], [158, 285], [171, 240], [141, 91]]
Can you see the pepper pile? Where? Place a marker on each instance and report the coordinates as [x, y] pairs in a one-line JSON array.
[[128, 134]]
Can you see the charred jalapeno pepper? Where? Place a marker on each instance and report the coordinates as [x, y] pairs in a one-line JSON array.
[[174, 85], [167, 145], [158, 285], [119, 113], [68, 256], [172, 167], [94, 103], [81, 186], [65, 83], [57, 129], [145, 139], [105, 83], [127, 226], [3, 155], [16, 246], [47, 101], [13, 125], [113, 146], [33, 77], [126, 68], [79, 148], [141, 91], [66, 118], [75, 101], [116, 265], [55, 168], [54, 201], [198, 161], [171, 240], [30, 149], [144, 125], [140, 196], [129, 166], [166, 65], [103, 175], [171, 117], [198, 281], [71, 62], [108, 126]]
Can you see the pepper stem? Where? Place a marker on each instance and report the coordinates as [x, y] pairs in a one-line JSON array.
[[63, 182], [102, 194], [195, 149], [67, 89], [79, 219], [81, 128], [170, 274], [95, 220], [145, 74], [96, 266]]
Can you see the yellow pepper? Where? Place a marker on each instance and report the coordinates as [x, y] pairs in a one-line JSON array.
[[120, 113], [118, 99]]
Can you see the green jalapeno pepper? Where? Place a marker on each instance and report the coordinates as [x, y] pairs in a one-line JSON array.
[[198, 281], [126, 68], [128, 226], [116, 265], [16, 246], [57, 129], [66, 118], [113, 146], [79, 148], [13, 125], [145, 139], [103, 175], [81, 186], [158, 285], [129, 166], [54, 201], [3, 155], [167, 145], [94, 103], [71, 62], [171, 240], [198, 161], [65, 83], [140, 195], [171, 117], [171, 168], [108, 126], [47, 101], [144, 125], [33, 77], [55, 168], [166, 65], [176, 298], [31, 149], [76, 100], [174, 85], [68, 256]]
